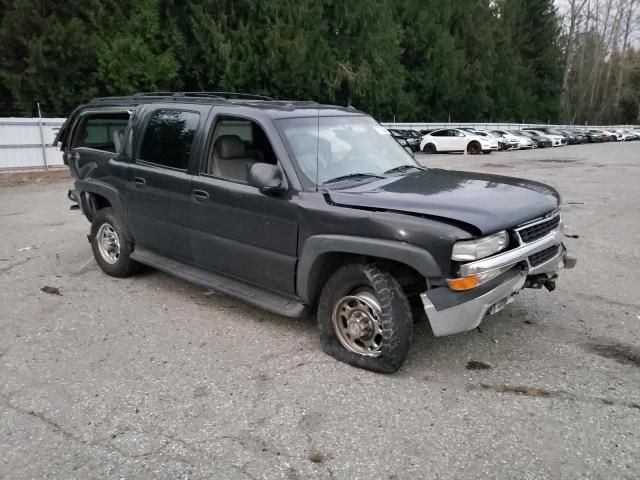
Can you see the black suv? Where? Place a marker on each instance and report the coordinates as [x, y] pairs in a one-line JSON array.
[[297, 207]]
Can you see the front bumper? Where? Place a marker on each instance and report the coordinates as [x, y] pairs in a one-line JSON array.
[[467, 315]]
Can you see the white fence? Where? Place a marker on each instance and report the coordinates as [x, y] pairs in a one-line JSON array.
[[27, 143], [492, 126]]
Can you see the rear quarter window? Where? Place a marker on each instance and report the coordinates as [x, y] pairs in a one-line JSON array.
[[101, 131]]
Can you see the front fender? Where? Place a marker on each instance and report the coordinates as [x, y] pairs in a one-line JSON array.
[[317, 246]]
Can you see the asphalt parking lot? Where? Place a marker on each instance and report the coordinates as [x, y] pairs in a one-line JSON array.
[[151, 377]]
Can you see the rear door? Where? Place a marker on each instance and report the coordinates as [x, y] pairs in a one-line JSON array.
[[159, 178], [441, 138], [457, 140]]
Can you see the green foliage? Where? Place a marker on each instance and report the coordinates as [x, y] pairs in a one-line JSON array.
[[535, 37], [422, 60]]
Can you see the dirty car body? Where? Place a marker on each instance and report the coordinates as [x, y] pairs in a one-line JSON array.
[[297, 207]]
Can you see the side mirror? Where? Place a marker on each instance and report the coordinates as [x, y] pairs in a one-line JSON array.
[[267, 178], [410, 151]]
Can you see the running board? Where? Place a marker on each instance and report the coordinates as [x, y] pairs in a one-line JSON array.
[[274, 302]]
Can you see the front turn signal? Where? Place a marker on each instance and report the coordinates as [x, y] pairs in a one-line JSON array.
[[465, 283]]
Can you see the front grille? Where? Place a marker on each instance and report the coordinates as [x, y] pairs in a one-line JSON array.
[[539, 230], [541, 257]]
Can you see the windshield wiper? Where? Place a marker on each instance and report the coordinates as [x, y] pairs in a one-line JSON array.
[[402, 168], [352, 176]]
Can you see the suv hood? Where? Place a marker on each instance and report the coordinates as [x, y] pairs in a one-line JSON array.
[[487, 202]]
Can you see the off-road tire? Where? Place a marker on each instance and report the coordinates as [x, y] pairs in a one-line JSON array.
[[124, 266], [396, 319]]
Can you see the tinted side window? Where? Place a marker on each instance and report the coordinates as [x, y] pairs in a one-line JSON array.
[[168, 138], [101, 131], [439, 133]]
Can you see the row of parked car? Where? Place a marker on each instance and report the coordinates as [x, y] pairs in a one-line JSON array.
[[474, 141]]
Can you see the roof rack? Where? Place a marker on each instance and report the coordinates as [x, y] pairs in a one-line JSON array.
[[214, 94], [246, 99]]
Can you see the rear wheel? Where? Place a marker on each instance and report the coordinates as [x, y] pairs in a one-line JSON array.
[[474, 148], [109, 245], [430, 148], [365, 319]]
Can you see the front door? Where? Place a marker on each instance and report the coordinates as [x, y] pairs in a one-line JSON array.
[[237, 230]]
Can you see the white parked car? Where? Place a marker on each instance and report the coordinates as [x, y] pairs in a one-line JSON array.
[[514, 141], [524, 141], [613, 136], [503, 143], [624, 136], [556, 140], [456, 140]]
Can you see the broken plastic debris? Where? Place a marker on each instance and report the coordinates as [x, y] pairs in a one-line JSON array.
[[477, 365], [51, 290]]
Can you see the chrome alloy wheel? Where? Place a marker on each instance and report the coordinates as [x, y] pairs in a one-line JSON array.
[[108, 243], [356, 321]]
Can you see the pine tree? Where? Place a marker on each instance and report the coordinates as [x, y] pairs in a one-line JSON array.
[[432, 59], [536, 35], [61, 53]]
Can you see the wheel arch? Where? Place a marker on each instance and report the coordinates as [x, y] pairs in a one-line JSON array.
[[425, 148], [322, 255], [95, 196]]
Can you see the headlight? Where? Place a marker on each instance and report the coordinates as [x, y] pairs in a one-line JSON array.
[[468, 250]]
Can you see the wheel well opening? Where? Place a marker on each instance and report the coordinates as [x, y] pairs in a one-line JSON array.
[[100, 201], [92, 202], [412, 282]]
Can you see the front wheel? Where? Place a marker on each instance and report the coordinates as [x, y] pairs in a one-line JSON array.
[[365, 319], [110, 247]]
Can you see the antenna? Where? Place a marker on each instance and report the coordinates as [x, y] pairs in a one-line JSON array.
[[317, 145]]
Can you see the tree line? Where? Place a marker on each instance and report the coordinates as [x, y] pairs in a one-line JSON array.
[[408, 60]]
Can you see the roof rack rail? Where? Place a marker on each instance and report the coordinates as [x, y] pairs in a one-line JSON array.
[[215, 94], [239, 95], [156, 94]]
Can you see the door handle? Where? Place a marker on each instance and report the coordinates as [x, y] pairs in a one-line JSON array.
[[200, 195], [140, 182]]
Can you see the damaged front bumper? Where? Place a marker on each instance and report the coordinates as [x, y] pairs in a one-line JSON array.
[[452, 312]]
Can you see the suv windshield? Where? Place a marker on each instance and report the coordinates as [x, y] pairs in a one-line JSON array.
[[351, 148]]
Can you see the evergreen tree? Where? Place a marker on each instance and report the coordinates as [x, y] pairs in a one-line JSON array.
[[64, 52], [536, 34], [410, 59], [432, 59]]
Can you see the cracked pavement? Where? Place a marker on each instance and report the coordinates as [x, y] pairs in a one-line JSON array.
[[152, 377]]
